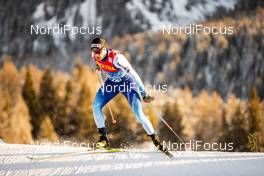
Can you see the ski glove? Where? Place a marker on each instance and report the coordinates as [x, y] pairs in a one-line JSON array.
[[148, 98], [97, 68]]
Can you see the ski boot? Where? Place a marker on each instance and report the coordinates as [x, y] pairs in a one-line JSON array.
[[103, 142], [156, 141]]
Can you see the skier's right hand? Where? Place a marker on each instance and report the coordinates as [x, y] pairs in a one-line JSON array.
[[148, 98]]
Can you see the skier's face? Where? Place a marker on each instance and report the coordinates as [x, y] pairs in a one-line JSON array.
[[100, 52], [97, 50]]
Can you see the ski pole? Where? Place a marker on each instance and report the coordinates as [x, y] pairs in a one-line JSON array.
[[109, 108], [166, 123]]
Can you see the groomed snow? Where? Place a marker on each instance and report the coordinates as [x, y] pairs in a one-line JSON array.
[[13, 161]]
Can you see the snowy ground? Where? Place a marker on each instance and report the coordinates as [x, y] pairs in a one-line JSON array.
[[13, 161]]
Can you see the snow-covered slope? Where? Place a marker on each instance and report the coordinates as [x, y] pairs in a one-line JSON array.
[[155, 13], [24, 41], [13, 161]]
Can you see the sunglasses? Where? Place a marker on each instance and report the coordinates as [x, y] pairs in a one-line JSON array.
[[96, 48]]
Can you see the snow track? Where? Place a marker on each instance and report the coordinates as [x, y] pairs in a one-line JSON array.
[[13, 161]]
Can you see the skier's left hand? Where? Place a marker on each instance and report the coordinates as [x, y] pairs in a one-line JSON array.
[[148, 98]]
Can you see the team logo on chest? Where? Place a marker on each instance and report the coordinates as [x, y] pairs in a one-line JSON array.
[[107, 64]]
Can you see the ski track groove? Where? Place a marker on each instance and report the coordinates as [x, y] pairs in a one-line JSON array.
[[130, 159], [31, 161], [4, 161]]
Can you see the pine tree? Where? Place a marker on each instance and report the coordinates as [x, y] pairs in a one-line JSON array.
[[252, 142], [69, 94], [15, 124], [81, 119], [64, 124], [47, 97], [60, 121], [253, 112], [225, 131], [32, 102], [254, 120], [238, 130], [49, 104]]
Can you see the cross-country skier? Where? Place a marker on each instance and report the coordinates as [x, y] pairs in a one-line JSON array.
[[119, 72]]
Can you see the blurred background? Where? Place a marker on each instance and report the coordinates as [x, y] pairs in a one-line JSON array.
[[216, 88]]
